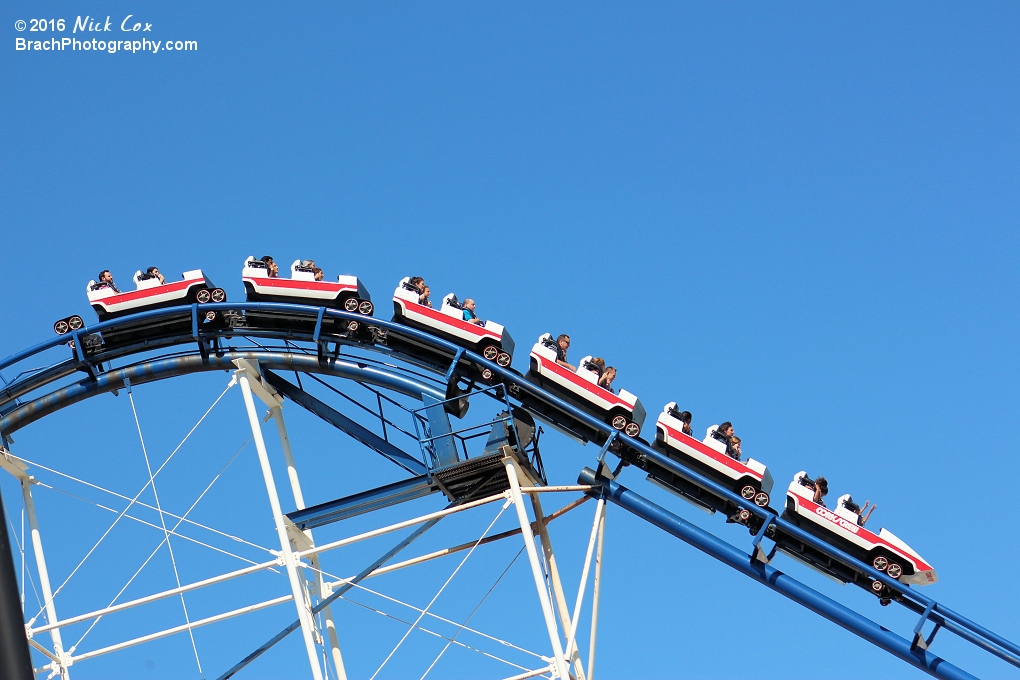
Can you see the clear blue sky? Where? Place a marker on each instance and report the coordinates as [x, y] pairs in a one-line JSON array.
[[801, 218]]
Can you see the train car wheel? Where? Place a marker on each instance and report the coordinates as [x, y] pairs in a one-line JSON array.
[[210, 315], [877, 586], [632, 429], [748, 492], [503, 359], [203, 296], [490, 352], [744, 514], [60, 327], [761, 499], [880, 563], [486, 374], [618, 422], [353, 326], [218, 295], [894, 570], [75, 322], [366, 307], [351, 304]]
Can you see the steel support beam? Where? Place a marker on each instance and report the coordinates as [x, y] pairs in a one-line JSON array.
[[15, 661], [299, 502], [20, 471], [289, 562], [559, 660], [773, 578], [360, 503], [554, 578], [596, 591]]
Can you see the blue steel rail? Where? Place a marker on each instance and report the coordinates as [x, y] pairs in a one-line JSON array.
[[210, 356]]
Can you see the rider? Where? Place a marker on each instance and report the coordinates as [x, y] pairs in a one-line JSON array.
[[608, 376], [562, 345], [469, 312], [865, 512], [271, 267], [724, 433], [821, 487], [153, 273], [106, 281], [734, 450], [684, 417]]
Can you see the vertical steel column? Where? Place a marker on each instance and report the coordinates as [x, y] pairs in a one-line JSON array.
[[554, 576], [299, 502], [582, 584], [304, 614], [15, 661], [44, 575], [595, 595], [559, 660]]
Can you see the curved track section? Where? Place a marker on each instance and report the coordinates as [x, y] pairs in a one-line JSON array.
[[38, 391]]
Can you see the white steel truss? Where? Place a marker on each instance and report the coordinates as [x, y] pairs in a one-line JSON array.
[[299, 556]]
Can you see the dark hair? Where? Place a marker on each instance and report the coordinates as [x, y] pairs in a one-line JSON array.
[[686, 417], [563, 336], [267, 259], [105, 271], [151, 270], [722, 428], [822, 484]]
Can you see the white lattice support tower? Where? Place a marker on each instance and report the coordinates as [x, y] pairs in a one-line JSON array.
[[559, 660], [554, 578], [321, 587], [20, 472], [250, 380], [596, 587]]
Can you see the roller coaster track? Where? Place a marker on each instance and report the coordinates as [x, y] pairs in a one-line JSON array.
[[38, 391]]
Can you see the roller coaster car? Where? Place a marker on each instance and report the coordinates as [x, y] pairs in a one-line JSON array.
[[622, 411], [883, 551], [346, 293], [149, 294], [749, 478], [490, 340]]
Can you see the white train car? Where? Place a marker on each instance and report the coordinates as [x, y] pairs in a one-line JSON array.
[[491, 340], [345, 293], [623, 411], [149, 293], [839, 526], [750, 478]]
